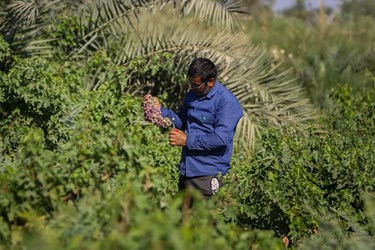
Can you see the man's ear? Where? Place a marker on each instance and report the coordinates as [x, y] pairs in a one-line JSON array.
[[211, 82]]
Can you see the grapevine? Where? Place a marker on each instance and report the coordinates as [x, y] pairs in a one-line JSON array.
[[153, 114]]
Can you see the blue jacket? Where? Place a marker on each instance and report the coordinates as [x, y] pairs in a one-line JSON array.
[[210, 123]]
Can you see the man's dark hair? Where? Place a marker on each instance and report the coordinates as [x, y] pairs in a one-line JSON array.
[[202, 67]]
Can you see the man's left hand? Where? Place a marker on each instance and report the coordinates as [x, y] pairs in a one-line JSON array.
[[177, 138]]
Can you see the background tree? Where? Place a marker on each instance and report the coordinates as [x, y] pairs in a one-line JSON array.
[[358, 8]]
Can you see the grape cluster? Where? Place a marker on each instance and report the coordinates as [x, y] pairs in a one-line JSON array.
[[153, 114]]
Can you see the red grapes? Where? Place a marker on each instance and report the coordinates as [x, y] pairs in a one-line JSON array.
[[153, 114]]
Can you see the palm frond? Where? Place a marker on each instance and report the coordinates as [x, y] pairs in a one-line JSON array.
[[106, 20], [217, 12], [185, 43], [25, 11], [25, 23], [247, 134], [279, 94]]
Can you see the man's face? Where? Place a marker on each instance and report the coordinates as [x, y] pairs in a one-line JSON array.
[[198, 86]]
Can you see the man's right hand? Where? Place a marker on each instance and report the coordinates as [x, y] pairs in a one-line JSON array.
[[155, 99], [177, 138]]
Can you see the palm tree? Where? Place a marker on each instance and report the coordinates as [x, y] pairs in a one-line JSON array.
[[185, 29]]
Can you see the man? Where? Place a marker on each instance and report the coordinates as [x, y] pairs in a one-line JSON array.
[[204, 128]]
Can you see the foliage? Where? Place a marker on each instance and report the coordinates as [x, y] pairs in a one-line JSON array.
[[296, 177], [357, 9], [34, 97], [279, 188], [22, 24], [4, 50], [38, 179], [332, 235], [81, 169], [326, 49], [112, 34], [112, 171]]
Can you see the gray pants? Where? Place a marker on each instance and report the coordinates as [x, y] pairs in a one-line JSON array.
[[207, 185]]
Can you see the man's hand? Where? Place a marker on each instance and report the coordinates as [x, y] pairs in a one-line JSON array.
[[177, 138], [155, 100]]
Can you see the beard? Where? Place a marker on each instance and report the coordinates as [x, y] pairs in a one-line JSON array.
[[204, 92]]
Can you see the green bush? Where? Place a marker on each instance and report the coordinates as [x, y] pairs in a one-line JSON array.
[[296, 177]]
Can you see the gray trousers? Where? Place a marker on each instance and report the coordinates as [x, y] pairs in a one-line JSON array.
[[207, 185]]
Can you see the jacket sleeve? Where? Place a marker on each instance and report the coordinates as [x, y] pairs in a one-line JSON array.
[[226, 119], [178, 119]]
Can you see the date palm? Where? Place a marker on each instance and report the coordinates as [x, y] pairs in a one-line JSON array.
[[186, 29]]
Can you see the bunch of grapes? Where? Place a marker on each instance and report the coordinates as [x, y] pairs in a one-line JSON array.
[[153, 114]]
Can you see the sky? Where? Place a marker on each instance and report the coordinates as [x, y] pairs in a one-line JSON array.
[[282, 4]]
